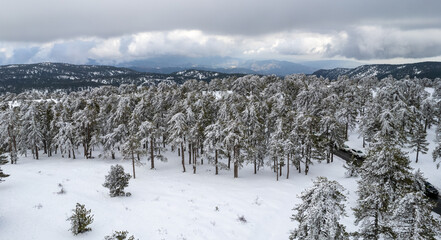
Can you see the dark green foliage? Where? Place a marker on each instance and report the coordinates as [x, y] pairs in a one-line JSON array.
[[117, 180], [80, 220], [351, 169], [3, 161], [119, 235]]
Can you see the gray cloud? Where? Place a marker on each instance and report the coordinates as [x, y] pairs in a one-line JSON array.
[[370, 42], [46, 20], [115, 30]]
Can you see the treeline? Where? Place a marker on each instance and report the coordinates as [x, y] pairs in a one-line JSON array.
[[258, 120]]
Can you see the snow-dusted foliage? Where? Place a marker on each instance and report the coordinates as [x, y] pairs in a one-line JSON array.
[[3, 161], [320, 212], [412, 218], [80, 219], [351, 169], [119, 235], [259, 120], [385, 179], [117, 180]]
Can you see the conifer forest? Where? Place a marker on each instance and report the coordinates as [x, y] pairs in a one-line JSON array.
[[289, 125]]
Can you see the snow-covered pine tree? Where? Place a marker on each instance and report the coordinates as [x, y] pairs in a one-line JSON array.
[[385, 178], [254, 119], [418, 141], [9, 129], [80, 219], [277, 146], [436, 154], [85, 116], [412, 218], [235, 130], [117, 180], [214, 136], [330, 127], [428, 112], [320, 212], [31, 132], [177, 132], [132, 145], [351, 168]]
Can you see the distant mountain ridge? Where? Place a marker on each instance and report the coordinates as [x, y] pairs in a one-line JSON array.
[[169, 64], [52, 76], [430, 70]]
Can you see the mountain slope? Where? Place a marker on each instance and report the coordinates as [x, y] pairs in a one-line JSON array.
[[169, 64], [430, 70], [52, 76]]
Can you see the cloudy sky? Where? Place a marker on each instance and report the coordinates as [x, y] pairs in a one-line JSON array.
[[114, 31]]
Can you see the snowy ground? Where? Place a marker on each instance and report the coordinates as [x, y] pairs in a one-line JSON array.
[[165, 203]]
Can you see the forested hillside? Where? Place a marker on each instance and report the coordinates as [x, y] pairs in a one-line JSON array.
[[69, 77], [287, 124]]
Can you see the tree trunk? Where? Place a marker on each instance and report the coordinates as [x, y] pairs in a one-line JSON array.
[[236, 162], [275, 169], [73, 153], [113, 155], [189, 153], [216, 162], [36, 152], [255, 166], [229, 160], [152, 154], [346, 130], [328, 154], [182, 155], [194, 159], [287, 167], [179, 152], [280, 168], [44, 146], [85, 150], [133, 165], [417, 152]]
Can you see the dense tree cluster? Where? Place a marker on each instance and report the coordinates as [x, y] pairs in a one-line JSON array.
[[258, 120]]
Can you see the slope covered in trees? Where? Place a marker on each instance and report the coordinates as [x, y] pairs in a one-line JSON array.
[[282, 123]]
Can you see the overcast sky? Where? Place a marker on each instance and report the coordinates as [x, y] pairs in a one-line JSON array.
[[112, 31]]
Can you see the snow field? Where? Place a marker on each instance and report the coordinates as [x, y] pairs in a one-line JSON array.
[[165, 203]]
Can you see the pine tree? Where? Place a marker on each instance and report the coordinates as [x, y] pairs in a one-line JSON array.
[[31, 134], [117, 180], [177, 131], [418, 141], [351, 169], [412, 218], [80, 220], [385, 177], [320, 212]]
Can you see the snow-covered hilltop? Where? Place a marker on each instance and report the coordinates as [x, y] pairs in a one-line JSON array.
[[430, 70], [53, 76]]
